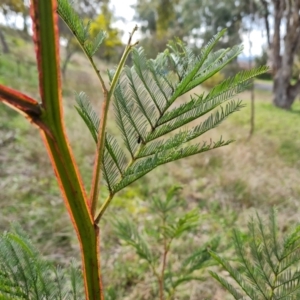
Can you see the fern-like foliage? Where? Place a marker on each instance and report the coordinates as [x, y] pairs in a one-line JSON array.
[[24, 275], [154, 244], [87, 113], [145, 114], [269, 267], [80, 30]]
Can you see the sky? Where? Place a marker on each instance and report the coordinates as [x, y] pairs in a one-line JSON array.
[[123, 10], [124, 15]]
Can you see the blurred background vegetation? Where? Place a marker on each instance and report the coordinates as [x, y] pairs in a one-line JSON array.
[[225, 185]]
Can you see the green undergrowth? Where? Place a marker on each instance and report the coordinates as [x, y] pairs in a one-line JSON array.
[[224, 184], [281, 127]]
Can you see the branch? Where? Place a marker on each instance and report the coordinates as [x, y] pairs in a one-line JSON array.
[[21, 102]]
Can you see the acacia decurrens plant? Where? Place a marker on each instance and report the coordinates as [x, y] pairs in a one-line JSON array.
[[142, 97]]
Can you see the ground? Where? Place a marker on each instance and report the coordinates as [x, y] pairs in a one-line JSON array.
[[227, 185]]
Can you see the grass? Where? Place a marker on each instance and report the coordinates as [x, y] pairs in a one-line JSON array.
[[225, 184]]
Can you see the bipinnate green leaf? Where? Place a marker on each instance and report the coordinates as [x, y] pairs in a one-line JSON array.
[[80, 30], [24, 275], [87, 113], [146, 116], [128, 232], [184, 224], [196, 261], [143, 102], [164, 206], [271, 270]]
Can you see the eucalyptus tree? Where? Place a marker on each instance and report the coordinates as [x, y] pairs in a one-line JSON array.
[[282, 22], [194, 21]]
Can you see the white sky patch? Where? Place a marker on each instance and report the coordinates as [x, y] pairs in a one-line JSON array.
[[124, 15], [258, 40]]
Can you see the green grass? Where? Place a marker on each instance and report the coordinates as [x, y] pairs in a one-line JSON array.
[[280, 127]]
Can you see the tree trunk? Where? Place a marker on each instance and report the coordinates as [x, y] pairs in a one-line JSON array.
[[284, 94], [4, 43], [66, 61], [25, 25], [70, 51], [284, 49]]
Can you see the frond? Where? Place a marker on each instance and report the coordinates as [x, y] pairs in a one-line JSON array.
[[24, 275], [165, 206], [79, 29], [94, 45], [200, 258], [143, 98], [114, 161], [247, 288], [155, 91], [215, 66], [142, 167], [188, 135], [135, 117], [186, 223], [76, 25], [87, 113], [140, 94], [233, 291], [128, 232], [190, 116], [219, 94], [272, 268], [191, 69]]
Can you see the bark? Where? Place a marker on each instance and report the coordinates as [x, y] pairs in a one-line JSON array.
[[284, 50], [69, 54], [70, 51], [285, 93], [266, 15], [25, 25], [4, 43]]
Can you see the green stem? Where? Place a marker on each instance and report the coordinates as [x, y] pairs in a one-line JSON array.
[[106, 203], [122, 62], [103, 208], [96, 185], [87, 233], [47, 49]]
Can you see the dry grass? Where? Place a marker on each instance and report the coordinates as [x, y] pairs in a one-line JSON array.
[[227, 184]]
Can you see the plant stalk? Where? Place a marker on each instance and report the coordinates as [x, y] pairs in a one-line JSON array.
[[45, 30], [96, 184]]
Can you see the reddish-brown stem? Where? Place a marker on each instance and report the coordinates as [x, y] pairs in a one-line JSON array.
[[166, 249], [163, 268]]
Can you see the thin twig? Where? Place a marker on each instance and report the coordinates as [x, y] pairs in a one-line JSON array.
[[101, 133], [103, 208], [164, 259], [252, 116]]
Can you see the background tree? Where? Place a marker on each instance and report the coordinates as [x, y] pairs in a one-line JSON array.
[[104, 22], [100, 21], [8, 7], [71, 46], [194, 21], [283, 42], [159, 23]]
